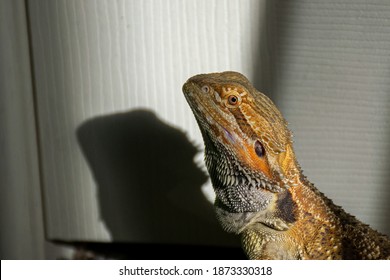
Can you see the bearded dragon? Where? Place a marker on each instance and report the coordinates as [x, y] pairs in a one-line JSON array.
[[261, 193]]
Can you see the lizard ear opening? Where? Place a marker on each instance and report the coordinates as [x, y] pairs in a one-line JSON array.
[[259, 149]]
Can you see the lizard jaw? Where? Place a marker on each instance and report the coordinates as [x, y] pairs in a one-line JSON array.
[[216, 136]]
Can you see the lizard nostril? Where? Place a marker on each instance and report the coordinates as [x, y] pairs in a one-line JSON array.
[[205, 89]]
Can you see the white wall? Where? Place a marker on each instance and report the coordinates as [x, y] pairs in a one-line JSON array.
[[101, 58], [21, 214], [119, 141], [332, 69]]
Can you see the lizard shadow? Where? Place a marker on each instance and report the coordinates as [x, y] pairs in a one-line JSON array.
[[148, 185]]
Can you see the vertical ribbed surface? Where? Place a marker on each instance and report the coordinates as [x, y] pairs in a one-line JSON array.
[[21, 222], [332, 80], [21, 213], [95, 58], [328, 62]]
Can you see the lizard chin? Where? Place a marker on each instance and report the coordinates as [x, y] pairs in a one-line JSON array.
[[238, 190]]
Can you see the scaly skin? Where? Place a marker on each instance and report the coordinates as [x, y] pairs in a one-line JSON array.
[[261, 193]]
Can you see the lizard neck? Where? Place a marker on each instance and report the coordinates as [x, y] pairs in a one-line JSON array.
[[310, 203], [319, 222]]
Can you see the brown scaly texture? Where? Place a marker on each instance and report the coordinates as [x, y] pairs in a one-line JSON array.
[[261, 193]]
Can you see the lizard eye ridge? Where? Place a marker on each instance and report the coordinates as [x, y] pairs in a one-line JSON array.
[[259, 149]]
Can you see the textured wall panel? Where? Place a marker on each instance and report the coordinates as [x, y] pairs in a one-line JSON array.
[[99, 58], [331, 79], [21, 212], [22, 235], [112, 116]]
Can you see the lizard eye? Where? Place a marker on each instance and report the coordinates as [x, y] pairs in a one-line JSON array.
[[205, 89], [233, 100], [259, 149]]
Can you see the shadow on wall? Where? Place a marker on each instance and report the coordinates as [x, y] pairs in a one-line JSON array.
[[149, 187]]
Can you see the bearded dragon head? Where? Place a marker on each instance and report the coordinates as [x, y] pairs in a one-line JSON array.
[[247, 142]]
